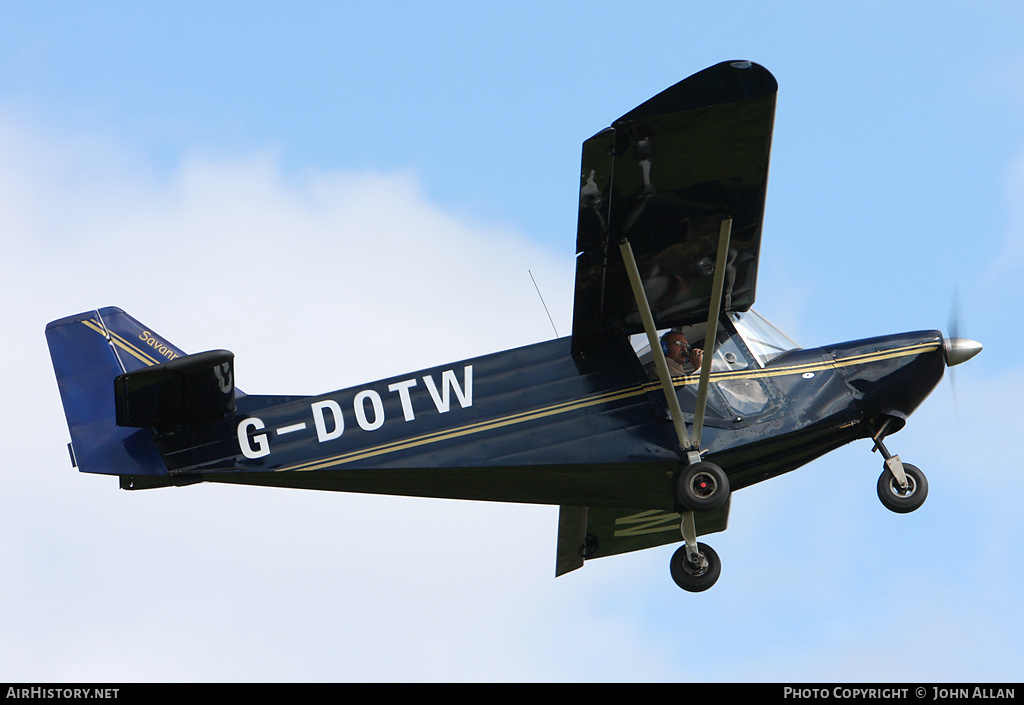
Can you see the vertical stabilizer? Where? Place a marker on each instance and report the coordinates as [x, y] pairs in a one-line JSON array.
[[88, 351]]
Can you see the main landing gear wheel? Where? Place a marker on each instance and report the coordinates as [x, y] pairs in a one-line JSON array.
[[695, 572], [702, 487], [899, 499]]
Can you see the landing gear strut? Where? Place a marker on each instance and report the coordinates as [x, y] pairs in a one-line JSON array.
[[902, 487]]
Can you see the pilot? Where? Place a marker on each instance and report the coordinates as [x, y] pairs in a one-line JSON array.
[[681, 358]]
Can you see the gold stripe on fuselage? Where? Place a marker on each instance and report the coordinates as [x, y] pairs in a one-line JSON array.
[[477, 427], [601, 398]]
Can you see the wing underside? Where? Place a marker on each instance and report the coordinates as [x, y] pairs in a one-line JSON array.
[[665, 176]]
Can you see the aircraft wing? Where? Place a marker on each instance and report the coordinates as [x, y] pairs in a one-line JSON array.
[[664, 176]]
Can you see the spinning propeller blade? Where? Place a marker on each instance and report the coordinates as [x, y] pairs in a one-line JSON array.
[[957, 349]]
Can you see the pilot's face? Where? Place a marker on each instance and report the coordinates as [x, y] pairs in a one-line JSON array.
[[678, 348]]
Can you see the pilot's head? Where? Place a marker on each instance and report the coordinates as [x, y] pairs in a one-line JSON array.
[[676, 347]]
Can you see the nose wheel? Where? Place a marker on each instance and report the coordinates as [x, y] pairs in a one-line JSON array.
[[905, 497], [902, 487]]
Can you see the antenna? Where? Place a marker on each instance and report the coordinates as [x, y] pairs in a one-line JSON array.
[[542, 303]]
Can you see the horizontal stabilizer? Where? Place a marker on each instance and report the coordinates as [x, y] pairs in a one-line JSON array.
[[596, 532], [189, 390]]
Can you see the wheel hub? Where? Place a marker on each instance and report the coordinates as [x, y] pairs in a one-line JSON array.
[[902, 491], [703, 485], [695, 563]]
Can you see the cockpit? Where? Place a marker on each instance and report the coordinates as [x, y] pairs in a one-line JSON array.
[[745, 343]]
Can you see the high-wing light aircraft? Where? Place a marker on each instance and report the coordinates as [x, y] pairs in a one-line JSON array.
[[670, 393]]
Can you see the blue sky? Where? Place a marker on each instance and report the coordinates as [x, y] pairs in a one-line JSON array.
[[297, 183]]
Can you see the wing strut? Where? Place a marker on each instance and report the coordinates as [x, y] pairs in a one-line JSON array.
[[717, 285], [652, 337], [690, 446]]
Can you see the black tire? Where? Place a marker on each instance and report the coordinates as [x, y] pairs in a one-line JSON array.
[[702, 487], [695, 578], [895, 498]]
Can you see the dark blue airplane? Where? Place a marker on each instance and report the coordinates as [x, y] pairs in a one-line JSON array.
[[670, 393]]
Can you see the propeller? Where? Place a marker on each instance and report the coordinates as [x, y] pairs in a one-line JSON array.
[[956, 349]]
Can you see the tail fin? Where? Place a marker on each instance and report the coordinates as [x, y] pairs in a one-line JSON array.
[[88, 351]]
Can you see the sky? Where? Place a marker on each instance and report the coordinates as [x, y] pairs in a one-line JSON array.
[[341, 195]]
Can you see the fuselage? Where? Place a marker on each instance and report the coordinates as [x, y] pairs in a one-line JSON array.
[[546, 424]]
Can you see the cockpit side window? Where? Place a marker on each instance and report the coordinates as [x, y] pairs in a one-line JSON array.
[[743, 391], [732, 392], [730, 353]]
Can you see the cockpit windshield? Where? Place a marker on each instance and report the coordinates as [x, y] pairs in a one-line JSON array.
[[764, 340]]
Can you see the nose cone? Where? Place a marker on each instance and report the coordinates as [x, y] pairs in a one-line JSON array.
[[959, 350]]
